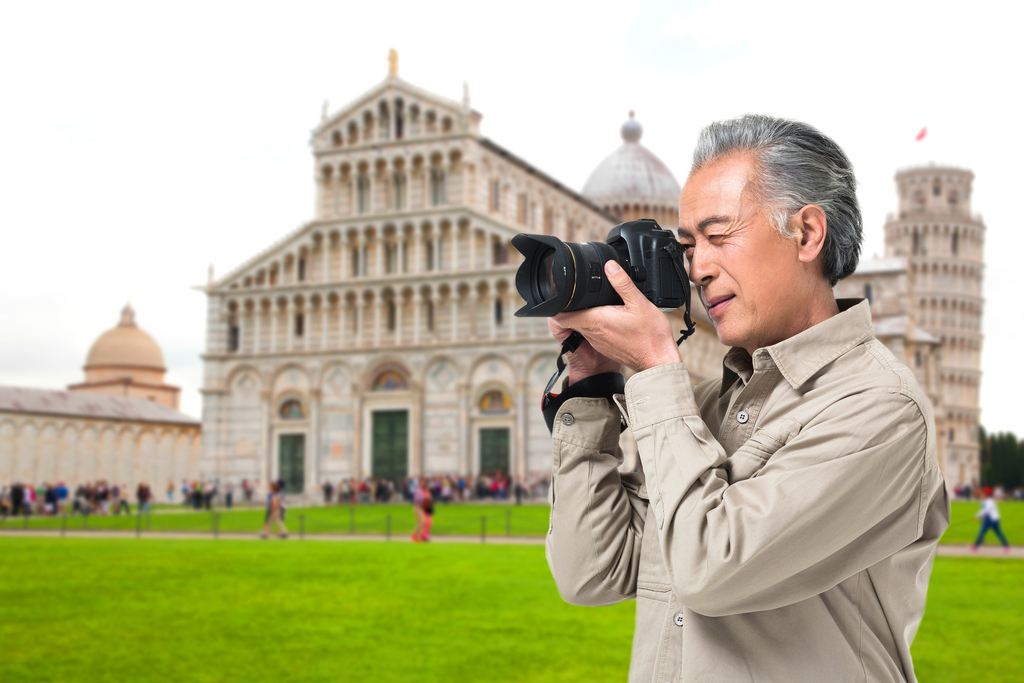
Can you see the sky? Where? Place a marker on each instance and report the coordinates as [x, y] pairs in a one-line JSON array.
[[142, 142]]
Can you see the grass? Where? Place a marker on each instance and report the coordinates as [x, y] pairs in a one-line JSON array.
[[465, 520], [503, 519], [147, 610], [122, 609]]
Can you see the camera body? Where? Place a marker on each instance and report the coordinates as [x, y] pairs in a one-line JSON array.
[[558, 276]]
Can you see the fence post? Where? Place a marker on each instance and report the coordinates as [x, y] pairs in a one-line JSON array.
[[508, 522], [138, 523], [352, 519], [483, 529], [302, 527], [63, 524], [389, 527]]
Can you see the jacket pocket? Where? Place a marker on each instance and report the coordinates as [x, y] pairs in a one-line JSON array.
[[749, 458]]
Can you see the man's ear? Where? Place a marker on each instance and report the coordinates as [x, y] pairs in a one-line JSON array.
[[811, 227]]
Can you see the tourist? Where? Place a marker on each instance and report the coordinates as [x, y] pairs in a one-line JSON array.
[[789, 510], [229, 494], [423, 507], [328, 490], [143, 494], [275, 512], [989, 515], [170, 491]]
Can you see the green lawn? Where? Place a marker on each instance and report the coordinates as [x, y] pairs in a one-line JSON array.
[[520, 520], [93, 609]]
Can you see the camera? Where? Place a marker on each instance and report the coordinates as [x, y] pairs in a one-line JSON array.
[[558, 276]]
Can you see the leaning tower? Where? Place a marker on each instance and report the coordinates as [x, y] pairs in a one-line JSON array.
[[943, 244]]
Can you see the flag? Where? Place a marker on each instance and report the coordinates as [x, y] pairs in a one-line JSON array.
[[920, 136]]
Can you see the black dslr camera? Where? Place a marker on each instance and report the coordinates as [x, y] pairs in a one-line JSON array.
[[561, 276]]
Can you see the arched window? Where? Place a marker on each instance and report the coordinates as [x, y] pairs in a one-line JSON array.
[[300, 270], [336, 138], [292, 409], [437, 187], [956, 242], [300, 324], [430, 255], [392, 315], [430, 315], [234, 336], [498, 312], [398, 182], [390, 380], [916, 247], [495, 402], [363, 192]]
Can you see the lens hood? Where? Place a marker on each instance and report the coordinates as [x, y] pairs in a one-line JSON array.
[[559, 275]]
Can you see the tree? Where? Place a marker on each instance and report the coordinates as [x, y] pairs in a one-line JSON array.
[[1002, 459]]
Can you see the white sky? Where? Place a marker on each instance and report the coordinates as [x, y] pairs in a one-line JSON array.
[[140, 142]]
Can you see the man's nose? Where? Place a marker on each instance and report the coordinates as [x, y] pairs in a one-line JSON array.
[[701, 267]]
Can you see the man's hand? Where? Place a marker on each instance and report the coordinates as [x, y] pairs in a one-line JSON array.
[[635, 334]]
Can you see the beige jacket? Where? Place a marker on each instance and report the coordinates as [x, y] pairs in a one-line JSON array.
[[785, 521]]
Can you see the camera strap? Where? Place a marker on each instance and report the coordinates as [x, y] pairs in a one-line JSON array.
[[675, 250]]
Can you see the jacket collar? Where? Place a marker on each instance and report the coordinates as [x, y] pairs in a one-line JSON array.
[[801, 356]]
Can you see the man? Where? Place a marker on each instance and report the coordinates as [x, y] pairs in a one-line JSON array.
[[785, 520]]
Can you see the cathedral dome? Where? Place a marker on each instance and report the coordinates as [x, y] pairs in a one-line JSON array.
[[632, 174], [126, 346]]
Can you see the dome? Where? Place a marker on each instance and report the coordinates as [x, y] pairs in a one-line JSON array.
[[126, 346], [632, 174]]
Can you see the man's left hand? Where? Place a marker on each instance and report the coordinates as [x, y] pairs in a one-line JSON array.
[[635, 334]]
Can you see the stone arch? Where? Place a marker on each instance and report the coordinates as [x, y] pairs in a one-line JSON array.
[[8, 434], [442, 374], [378, 375], [240, 372]]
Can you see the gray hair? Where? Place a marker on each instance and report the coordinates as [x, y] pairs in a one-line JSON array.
[[798, 165]]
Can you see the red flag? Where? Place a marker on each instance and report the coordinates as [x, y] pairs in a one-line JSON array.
[[920, 136]]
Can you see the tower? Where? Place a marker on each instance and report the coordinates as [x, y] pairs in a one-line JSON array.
[[943, 245]]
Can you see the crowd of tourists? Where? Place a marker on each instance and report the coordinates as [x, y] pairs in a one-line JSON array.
[[490, 486], [98, 497]]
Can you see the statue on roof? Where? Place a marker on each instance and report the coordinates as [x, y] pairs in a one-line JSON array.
[[392, 62]]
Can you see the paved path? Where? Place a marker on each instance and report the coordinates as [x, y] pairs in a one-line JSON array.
[[947, 550]]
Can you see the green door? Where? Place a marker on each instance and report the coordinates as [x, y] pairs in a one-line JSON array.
[[390, 444], [292, 462], [494, 447]]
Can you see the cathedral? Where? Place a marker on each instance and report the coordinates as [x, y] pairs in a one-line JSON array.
[[378, 339]]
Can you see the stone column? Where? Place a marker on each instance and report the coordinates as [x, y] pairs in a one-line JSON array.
[[360, 305], [398, 320], [376, 319], [437, 250], [417, 304], [325, 322], [417, 235], [313, 478], [519, 467], [269, 469], [455, 315], [492, 299], [464, 440], [274, 314]]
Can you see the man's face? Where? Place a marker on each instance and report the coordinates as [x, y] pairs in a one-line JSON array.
[[748, 275]]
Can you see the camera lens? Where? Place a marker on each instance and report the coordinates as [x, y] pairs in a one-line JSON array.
[[548, 288]]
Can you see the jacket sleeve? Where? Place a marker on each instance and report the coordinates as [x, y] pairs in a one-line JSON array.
[[597, 516], [834, 499]]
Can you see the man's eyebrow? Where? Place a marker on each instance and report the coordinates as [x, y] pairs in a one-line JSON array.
[[710, 220]]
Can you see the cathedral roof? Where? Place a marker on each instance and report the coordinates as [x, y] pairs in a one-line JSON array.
[[126, 346], [80, 404], [632, 174]]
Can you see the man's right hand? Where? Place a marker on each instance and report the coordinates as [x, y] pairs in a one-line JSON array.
[[585, 361]]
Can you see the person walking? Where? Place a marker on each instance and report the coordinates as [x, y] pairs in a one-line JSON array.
[[274, 509], [423, 506], [170, 491], [989, 515]]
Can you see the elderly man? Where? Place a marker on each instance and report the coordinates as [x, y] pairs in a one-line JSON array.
[[786, 517]]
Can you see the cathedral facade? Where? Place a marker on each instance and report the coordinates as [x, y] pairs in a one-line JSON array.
[[379, 339]]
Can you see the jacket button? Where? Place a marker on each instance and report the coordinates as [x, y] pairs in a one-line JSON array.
[[567, 419], [742, 417], [678, 619]]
